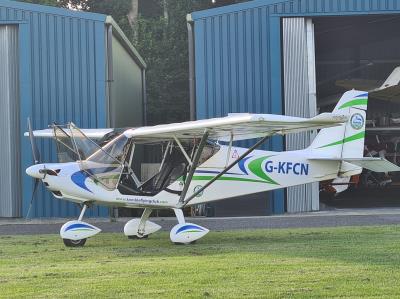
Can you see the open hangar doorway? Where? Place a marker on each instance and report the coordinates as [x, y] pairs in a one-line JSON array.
[[362, 52]]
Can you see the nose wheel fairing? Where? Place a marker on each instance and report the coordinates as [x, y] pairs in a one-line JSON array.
[[75, 232]]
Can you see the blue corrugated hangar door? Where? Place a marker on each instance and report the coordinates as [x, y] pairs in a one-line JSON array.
[[300, 99], [10, 177]]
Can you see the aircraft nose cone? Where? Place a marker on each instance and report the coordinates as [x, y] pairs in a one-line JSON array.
[[34, 171]]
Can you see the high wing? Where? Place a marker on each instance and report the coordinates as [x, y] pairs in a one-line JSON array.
[[388, 91], [91, 133], [358, 84], [239, 126]]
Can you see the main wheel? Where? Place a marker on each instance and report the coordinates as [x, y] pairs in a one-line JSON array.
[[74, 243], [190, 243]]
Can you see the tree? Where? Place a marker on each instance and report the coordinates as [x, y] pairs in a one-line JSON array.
[[163, 43], [118, 9], [44, 2], [159, 32]]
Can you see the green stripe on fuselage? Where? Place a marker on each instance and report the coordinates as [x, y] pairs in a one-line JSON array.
[[255, 167], [227, 178]]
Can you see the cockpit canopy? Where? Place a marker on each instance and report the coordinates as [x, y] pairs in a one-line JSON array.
[[110, 163]]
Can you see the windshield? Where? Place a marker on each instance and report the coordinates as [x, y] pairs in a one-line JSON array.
[[113, 151], [84, 146], [106, 164]]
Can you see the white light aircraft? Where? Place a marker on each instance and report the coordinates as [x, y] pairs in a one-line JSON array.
[[199, 164]]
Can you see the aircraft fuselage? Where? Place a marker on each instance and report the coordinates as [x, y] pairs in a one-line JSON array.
[[259, 172]]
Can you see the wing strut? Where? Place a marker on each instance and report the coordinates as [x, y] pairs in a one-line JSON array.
[[226, 169], [193, 166], [183, 151]]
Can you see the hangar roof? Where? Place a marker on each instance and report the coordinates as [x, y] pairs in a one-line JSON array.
[[54, 10], [230, 8], [81, 15], [305, 8]]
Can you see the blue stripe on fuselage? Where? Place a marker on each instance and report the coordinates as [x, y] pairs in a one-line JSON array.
[[79, 179]]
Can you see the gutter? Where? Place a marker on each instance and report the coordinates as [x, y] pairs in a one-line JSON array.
[[120, 35], [192, 76], [114, 30]]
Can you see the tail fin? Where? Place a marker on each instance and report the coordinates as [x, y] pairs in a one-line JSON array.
[[347, 140], [345, 143]]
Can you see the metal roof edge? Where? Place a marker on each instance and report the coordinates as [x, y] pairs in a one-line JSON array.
[[53, 10], [230, 8], [117, 31]]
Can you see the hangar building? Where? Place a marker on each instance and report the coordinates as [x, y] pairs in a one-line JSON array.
[[296, 58], [59, 65]]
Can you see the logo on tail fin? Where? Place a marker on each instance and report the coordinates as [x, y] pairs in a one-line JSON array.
[[357, 121]]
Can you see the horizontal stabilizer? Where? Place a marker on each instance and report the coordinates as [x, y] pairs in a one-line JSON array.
[[370, 163], [374, 164]]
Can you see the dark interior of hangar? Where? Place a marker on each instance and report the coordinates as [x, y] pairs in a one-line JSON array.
[[363, 53]]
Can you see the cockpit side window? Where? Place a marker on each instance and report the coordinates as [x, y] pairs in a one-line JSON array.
[[173, 167], [210, 149]]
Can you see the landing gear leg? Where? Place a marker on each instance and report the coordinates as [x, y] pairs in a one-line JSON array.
[[84, 208], [141, 228], [184, 232], [179, 216], [75, 233]]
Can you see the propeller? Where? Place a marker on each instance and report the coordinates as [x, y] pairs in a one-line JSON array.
[[36, 160]]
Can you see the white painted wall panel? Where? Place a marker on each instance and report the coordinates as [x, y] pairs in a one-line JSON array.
[[10, 183], [300, 99]]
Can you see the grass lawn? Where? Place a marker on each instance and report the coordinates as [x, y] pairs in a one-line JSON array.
[[350, 262]]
